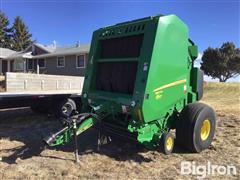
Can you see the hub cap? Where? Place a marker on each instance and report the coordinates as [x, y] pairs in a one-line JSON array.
[[205, 129], [169, 143], [67, 109]]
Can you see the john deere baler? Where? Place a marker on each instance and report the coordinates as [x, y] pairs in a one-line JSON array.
[[140, 83]]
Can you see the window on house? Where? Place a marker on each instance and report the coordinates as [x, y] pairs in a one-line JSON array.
[[80, 61], [19, 65], [30, 64], [41, 63], [60, 61]]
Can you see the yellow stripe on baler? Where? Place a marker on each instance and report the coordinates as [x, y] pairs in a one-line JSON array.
[[170, 85]]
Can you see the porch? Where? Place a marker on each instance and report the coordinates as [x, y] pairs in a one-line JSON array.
[[6, 66]]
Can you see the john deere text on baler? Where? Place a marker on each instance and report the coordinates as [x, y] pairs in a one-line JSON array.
[[141, 83]]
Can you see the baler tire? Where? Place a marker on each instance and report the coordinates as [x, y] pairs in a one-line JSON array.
[[167, 143], [190, 129]]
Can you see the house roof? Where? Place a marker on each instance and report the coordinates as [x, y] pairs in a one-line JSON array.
[[17, 55], [67, 50], [4, 52], [51, 51], [48, 48]]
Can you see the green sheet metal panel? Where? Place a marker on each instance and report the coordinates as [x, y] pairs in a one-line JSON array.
[[163, 67], [148, 28], [168, 72]]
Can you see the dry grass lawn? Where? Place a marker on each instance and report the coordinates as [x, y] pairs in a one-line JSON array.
[[23, 155]]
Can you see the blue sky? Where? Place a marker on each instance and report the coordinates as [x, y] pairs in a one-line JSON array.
[[210, 22]]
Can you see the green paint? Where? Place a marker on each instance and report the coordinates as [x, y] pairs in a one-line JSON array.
[[162, 86], [68, 134]]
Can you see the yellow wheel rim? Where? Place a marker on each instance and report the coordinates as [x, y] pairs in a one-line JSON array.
[[205, 129], [169, 143]]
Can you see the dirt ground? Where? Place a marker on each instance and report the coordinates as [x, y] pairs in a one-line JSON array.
[[24, 156]]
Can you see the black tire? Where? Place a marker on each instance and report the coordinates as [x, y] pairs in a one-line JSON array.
[[165, 146], [196, 127], [64, 108]]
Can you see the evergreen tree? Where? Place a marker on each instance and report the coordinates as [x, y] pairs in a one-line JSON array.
[[5, 32], [21, 37]]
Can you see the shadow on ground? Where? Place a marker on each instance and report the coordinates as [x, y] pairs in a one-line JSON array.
[[24, 126]]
